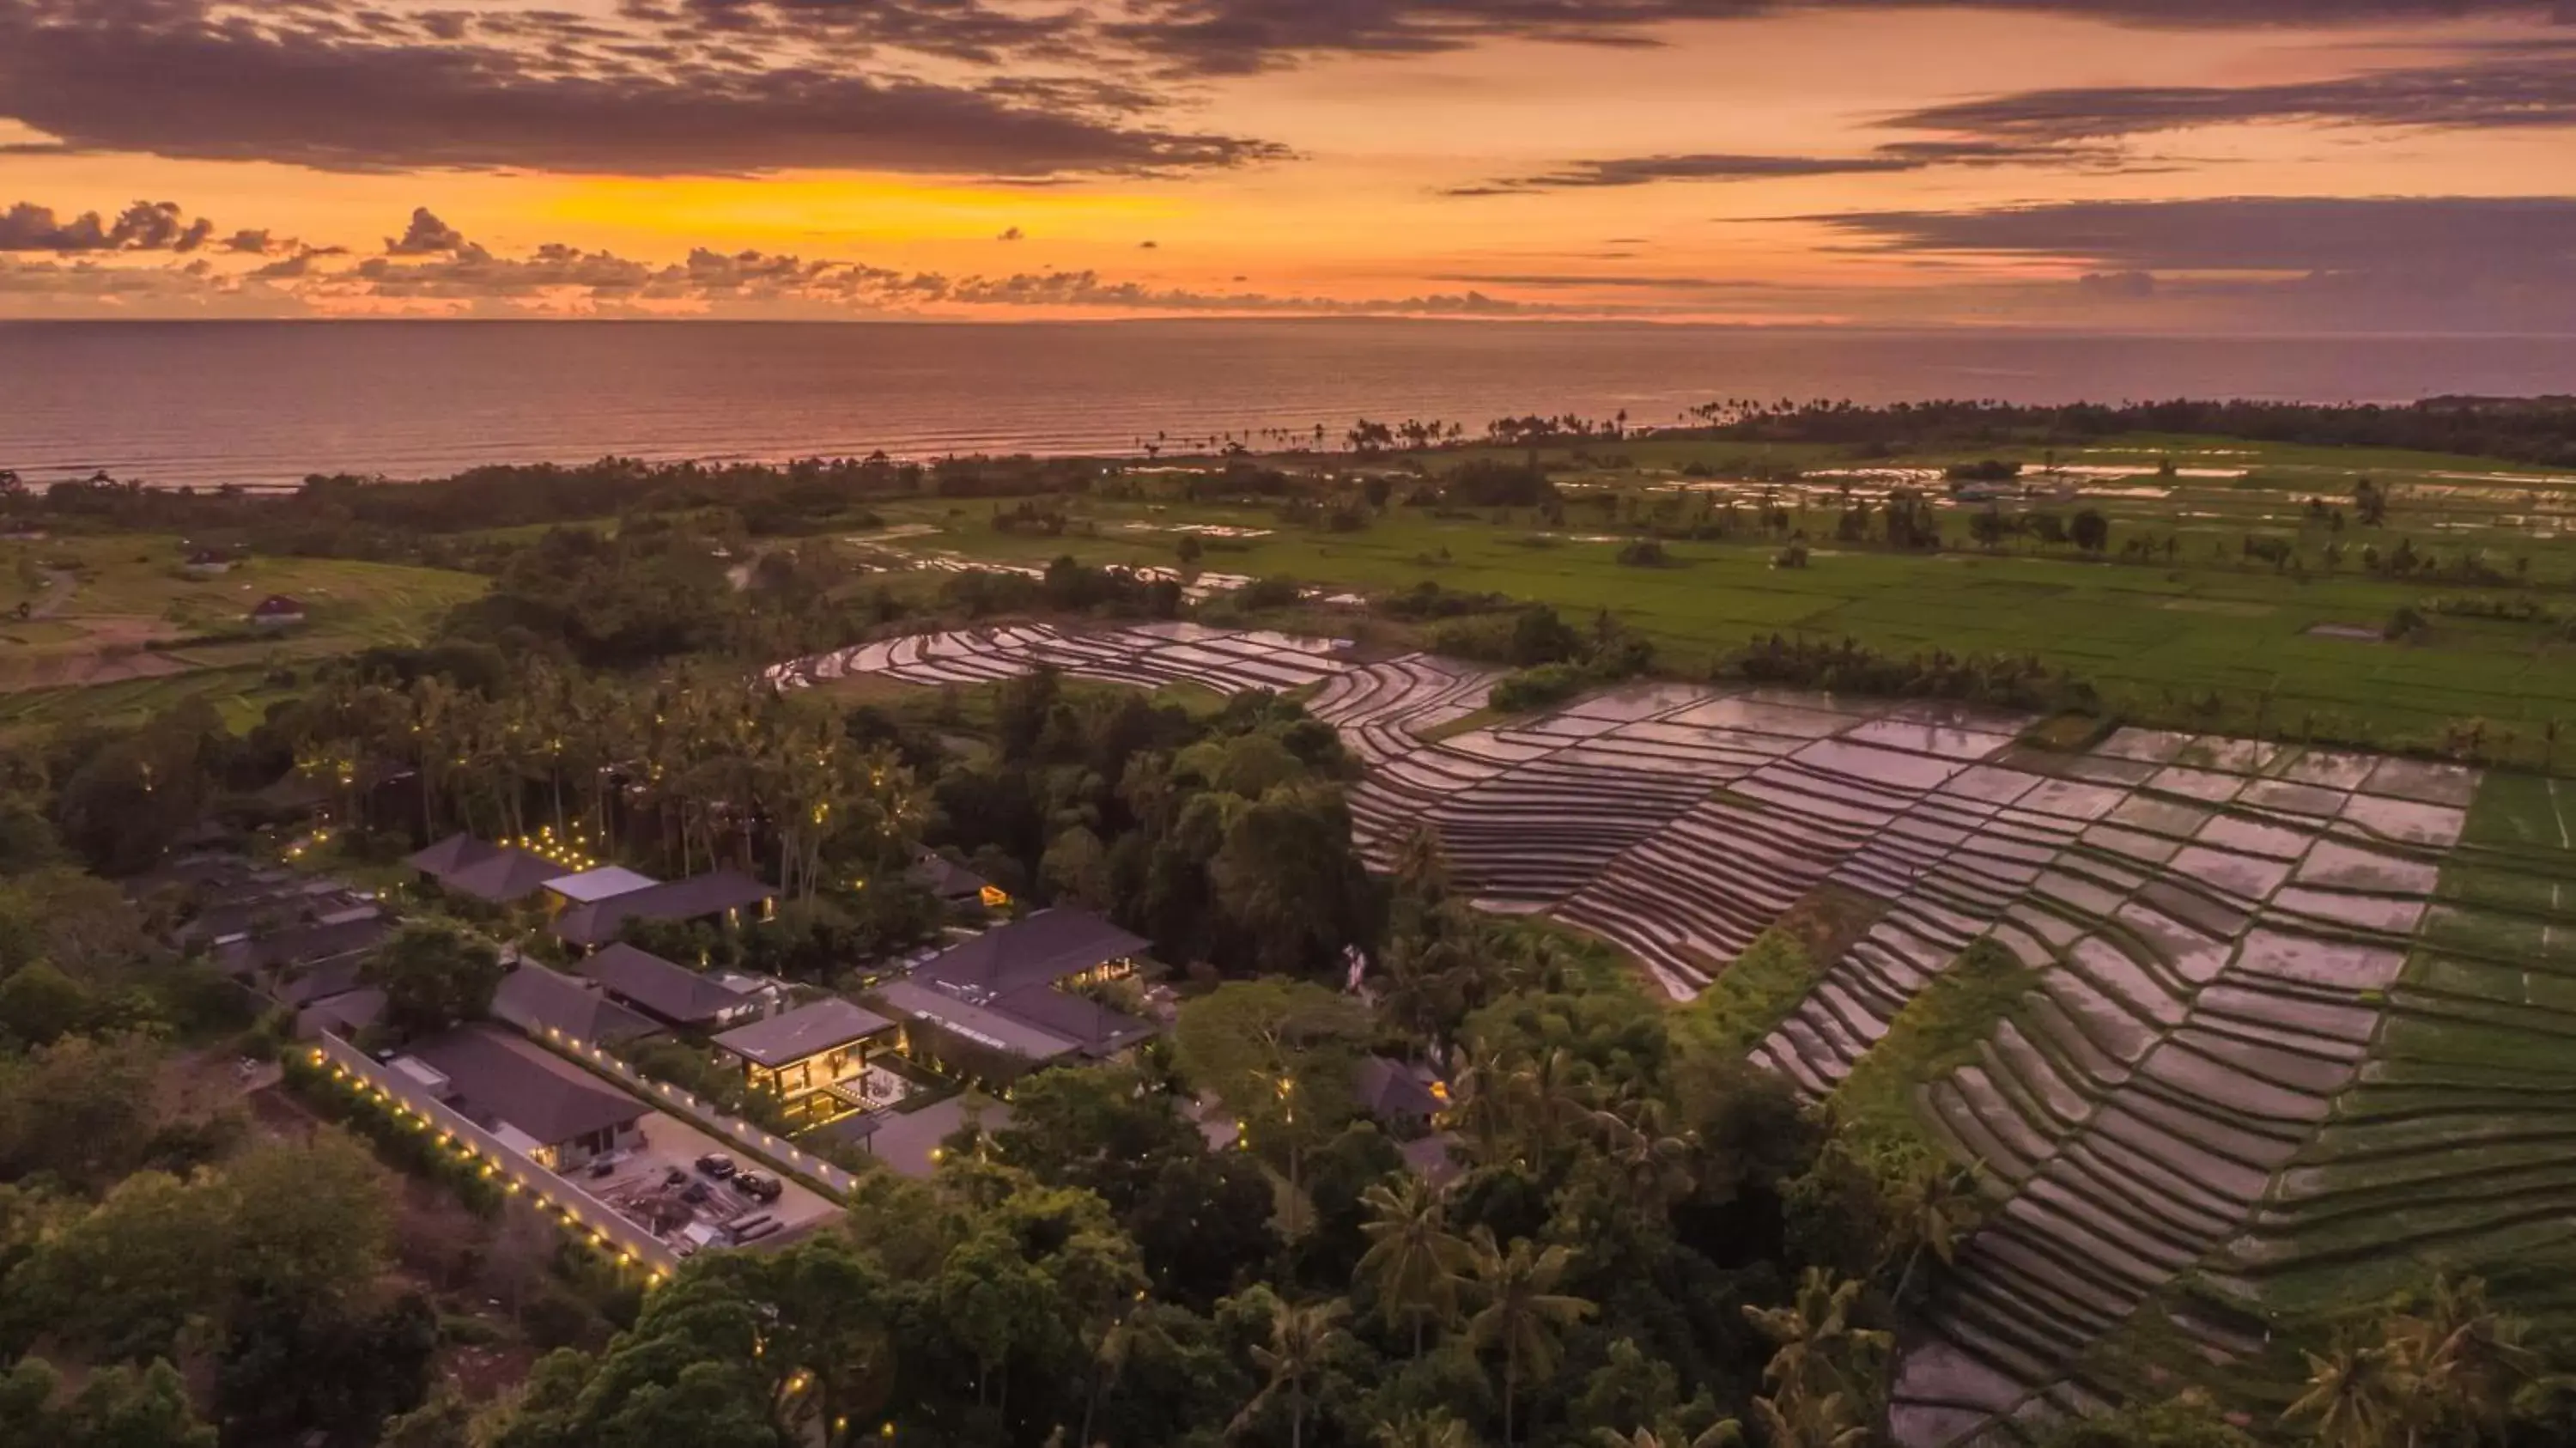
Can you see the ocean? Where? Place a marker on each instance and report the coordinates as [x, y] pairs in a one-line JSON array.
[[270, 402]]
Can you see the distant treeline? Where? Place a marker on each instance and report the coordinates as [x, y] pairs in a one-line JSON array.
[[2538, 430], [350, 516]]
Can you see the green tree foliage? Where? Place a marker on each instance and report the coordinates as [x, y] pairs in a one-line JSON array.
[[120, 1407], [435, 975], [80, 1109]]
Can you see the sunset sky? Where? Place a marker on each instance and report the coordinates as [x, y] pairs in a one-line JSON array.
[[2194, 165]]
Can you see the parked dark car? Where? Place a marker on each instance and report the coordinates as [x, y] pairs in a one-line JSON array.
[[674, 1177], [759, 1185], [694, 1193], [716, 1164]]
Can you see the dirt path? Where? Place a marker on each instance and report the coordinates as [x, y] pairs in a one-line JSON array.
[[60, 585]]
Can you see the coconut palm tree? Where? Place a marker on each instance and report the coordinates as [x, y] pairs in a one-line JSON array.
[[1724, 1433], [1522, 1312], [1939, 1207], [1655, 1160], [1301, 1338], [1132, 1334], [1421, 1430], [1415, 1262], [2355, 1398], [1551, 1092], [2462, 1362], [1821, 1364]]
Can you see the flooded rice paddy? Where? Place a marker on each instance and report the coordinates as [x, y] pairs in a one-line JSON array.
[[2261, 968]]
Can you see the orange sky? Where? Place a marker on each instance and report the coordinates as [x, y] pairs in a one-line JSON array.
[[1346, 154]]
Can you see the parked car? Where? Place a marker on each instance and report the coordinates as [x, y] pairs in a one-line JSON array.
[[759, 1185], [694, 1193], [674, 1177], [716, 1164]]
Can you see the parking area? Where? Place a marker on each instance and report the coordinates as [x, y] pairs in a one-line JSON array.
[[660, 1188]]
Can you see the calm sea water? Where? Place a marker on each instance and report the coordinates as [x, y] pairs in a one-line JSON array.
[[206, 402]]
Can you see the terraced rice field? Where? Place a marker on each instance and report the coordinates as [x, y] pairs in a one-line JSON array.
[[2299, 1023], [1148, 655]]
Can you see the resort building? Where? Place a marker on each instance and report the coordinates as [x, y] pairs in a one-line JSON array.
[[1059, 949], [954, 884], [727, 897], [276, 611], [814, 1059], [562, 1008], [1406, 1099], [1010, 1001], [677, 996], [465, 867], [551, 1111]]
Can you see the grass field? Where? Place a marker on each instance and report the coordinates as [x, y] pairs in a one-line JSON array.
[[117, 643], [2206, 637]]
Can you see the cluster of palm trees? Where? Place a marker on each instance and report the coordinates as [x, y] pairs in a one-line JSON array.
[[696, 770], [1501, 1295], [2447, 1369]]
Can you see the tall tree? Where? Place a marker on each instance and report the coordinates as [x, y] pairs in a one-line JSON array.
[[1302, 1337], [1522, 1312], [1414, 1262]]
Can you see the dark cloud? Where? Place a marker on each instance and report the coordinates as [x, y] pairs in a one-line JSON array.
[[144, 226], [1577, 279], [1237, 36], [1646, 170], [340, 85], [2397, 238], [2426, 264], [1893, 157], [1014, 234], [2519, 90], [965, 30], [426, 235]]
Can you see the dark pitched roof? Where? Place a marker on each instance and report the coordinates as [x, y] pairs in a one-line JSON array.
[[1039, 949], [689, 899], [673, 992], [1095, 1029], [945, 878], [342, 1015], [990, 1028], [448, 855], [802, 1032], [1388, 1088], [498, 873], [275, 605], [302, 985], [305, 945], [497, 1080], [534, 998]]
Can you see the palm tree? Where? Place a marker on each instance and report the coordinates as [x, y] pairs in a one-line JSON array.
[[1550, 1090], [1523, 1311], [1940, 1207], [1419, 1430], [1301, 1337], [1413, 1259], [2461, 1360], [1481, 1089], [2355, 1398], [1655, 1161], [1132, 1334], [1724, 1433], [1821, 1364]]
